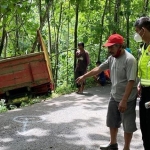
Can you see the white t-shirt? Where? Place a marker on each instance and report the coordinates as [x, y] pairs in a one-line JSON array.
[[122, 70]]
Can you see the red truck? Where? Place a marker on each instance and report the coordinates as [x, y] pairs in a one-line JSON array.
[[25, 74]]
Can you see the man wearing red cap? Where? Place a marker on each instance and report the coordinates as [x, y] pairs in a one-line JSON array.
[[121, 108]]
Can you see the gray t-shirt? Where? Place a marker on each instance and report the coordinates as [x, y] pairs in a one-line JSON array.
[[122, 70]]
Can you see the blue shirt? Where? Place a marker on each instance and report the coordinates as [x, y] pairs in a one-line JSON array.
[[101, 76]]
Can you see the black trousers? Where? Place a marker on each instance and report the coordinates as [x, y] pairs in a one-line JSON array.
[[145, 117]]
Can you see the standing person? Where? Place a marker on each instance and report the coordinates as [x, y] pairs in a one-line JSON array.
[[142, 28], [82, 63], [121, 108]]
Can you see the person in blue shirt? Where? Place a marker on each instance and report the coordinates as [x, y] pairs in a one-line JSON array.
[[100, 78], [128, 49]]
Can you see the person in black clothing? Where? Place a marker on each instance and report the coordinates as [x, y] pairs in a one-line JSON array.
[[142, 28], [82, 64]]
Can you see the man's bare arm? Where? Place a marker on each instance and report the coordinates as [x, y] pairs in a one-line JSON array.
[[123, 104], [91, 73], [128, 90]]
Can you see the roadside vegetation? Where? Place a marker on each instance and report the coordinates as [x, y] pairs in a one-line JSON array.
[[64, 23], [61, 90]]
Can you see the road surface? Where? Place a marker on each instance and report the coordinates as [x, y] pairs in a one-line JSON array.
[[69, 122]]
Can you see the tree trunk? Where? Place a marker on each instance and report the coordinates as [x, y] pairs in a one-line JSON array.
[[68, 39], [54, 45], [57, 45], [49, 34], [128, 30], [40, 11], [127, 17], [42, 24], [110, 12], [116, 15], [76, 32], [17, 36], [2, 40], [5, 48], [102, 25], [40, 16], [146, 3]]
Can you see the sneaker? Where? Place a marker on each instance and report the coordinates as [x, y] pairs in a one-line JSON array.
[[109, 147]]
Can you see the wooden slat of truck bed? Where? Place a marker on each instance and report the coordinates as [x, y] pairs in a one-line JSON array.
[[29, 70]]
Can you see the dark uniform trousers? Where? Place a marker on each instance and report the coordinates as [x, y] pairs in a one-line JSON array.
[[145, 117]]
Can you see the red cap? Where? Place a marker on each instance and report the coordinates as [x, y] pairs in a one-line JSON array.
[[114, 39]]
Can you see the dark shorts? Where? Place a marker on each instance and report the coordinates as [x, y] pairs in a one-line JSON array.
[[78, 74], [115, 118]]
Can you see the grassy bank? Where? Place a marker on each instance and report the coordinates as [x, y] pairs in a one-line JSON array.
[[24, 102]]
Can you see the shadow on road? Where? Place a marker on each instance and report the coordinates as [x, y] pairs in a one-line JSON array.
[[69, 122]]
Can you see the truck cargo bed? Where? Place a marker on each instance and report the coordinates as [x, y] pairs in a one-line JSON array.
[[23, 71]]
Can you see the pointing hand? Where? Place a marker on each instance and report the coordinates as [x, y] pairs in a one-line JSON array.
[[80, 80]]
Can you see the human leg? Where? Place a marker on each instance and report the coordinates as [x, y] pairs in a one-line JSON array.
[[127, 140], [83, 84], [129, 125], [113, 135], [145, 118], [78, 74], [82, 88], [113, 140], [113, 122], [142, 114]]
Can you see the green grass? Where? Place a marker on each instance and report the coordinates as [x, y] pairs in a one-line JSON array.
[[3, 107]]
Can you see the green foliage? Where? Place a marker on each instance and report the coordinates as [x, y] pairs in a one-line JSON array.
[[31, 101], [3, 107], [65, 89], [12, 106]]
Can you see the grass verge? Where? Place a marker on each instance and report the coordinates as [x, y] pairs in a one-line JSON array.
[[60, 90]]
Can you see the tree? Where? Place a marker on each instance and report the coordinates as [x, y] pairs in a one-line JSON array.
[[116, 15], [42, 20], [63, 23], [57, 42], [76, 30], [102, 28], [145, 8], [127, 14]]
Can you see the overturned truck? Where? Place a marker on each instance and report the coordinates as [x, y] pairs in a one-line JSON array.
[[26, 75]]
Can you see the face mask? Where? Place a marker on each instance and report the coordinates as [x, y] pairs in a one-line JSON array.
[[137, 37], [118, 53]]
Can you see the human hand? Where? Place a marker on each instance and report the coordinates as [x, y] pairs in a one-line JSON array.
[[77, 52], [139, 90], [80, 80], [122, 106]]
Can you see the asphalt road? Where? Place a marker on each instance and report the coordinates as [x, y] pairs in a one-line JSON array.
[[69, 122]]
